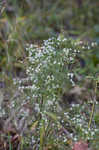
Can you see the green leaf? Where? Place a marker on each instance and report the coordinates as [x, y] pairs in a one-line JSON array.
[[52, 115], [42, 133]]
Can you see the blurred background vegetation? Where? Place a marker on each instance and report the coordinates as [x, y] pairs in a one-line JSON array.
[[29, 21]]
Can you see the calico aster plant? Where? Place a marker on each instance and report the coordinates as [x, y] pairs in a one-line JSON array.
[[51, 71]]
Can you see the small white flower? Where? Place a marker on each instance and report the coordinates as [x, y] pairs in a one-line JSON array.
[[65, 140], [50, 102], [71, 58]]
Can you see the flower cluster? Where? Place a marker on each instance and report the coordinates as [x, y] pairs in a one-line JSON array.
[[48, 70]]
